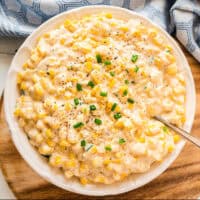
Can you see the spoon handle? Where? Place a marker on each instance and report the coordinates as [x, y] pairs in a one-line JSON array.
[[182, 132]]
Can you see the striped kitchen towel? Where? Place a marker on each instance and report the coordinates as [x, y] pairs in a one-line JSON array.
[[18, 18]]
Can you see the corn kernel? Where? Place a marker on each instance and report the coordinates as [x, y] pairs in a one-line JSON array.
[[62, 41], [100, 179], [117, 161], [172, 69], [40, 51], [64, 143], [168, 47], [93, 149], [17, 112], [46, 35], [69, 26], [123, 88], [158, 62], [124, 28], [117, 109], [68, 106], [170, 148], [176, 138], [23, 86], [130, 106], [19, 78], [38, 89], [58, 160], [50, 143], [72, 156], [119, 154], [106, 161], [25, 65], [95, 91], [88, 66], [83, 180], [119, 124], [70, 163], [111, 83], [153, 33], [136, 34], [83, 167], [171, 58], [48, 133], [141, 139], [108, 15]]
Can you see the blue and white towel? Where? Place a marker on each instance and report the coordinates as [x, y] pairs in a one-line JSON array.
[[18, 18]]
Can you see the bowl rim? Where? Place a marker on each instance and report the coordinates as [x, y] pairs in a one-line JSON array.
[[130, 187]]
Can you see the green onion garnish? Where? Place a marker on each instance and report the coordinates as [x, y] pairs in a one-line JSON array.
[[78, 86], [122, 141], [126, 82], [98, 121], [99, 59], [83, 143], [108, 148], [134, 58], [125, 92], [112, 73], [103, 94], [92, 107], [136, 69], [165, 129], [114, 106], [130, 100], [107, 62], [76, 101], [88, 147], [91, 84], [78, 124], [117, 115]]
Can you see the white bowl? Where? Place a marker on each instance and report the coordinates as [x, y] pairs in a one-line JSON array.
[[37, 162]]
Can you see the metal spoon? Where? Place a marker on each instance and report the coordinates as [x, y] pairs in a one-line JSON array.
[[180, 131]]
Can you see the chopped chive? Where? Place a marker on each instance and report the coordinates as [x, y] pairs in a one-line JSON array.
[[134, 58], [79, 87], [136, 69], [117, 115], [112, 73], [103, 94], [92, 107], [114, 106], [145, 87], [126, 82], [76, 101], [165, 129], [99, 59], [122, 141], [98, 121], [107, 62], [125, 92], [168, 51], [83, 143], [130, 100], [91, 84], [108, 148], [88, 147], [78, 125]]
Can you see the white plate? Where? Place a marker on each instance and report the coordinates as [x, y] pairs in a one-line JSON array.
[[32, 156]]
